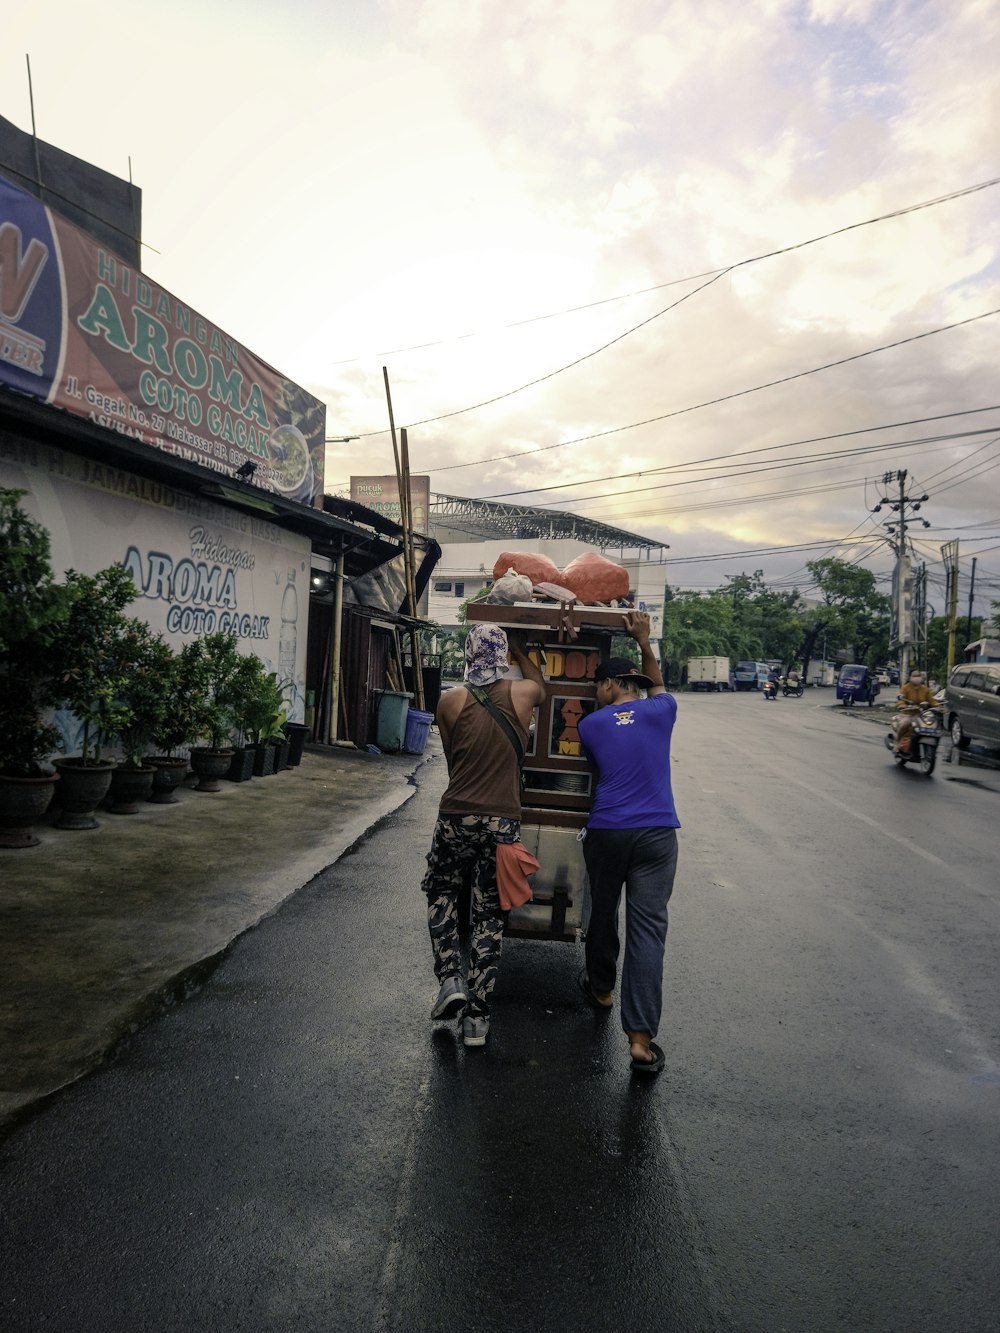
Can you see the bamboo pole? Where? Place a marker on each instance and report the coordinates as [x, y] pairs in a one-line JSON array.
[[411, 583], [402, 483]]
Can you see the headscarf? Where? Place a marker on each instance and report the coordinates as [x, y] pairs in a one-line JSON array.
[[485, 655]]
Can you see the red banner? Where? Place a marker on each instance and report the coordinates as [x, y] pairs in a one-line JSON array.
[[82, 330]]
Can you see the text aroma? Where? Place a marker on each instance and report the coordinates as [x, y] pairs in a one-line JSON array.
[[148, 340], [189, 582]]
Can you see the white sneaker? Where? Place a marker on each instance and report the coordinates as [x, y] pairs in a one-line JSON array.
[[474, 1029]]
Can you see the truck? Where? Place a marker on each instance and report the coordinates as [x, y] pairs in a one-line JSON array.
[[708, 673]]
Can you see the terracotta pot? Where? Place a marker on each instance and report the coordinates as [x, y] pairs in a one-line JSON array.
[[82, 787], [22, 801], [129, 786], [169, 775], [210, 766]]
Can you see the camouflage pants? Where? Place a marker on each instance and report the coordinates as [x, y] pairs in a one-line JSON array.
[[463, 849]]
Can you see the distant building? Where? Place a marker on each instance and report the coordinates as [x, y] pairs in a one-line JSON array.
[[473, 534]]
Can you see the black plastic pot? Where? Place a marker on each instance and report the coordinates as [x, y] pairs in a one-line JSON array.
[[298, 734]]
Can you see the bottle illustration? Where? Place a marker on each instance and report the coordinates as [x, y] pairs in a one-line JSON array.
[[288, 635]]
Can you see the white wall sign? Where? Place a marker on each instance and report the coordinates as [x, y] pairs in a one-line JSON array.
[[200, 567]]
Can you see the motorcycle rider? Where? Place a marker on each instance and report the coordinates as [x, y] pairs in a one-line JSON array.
[[772, 682], [913, 696]]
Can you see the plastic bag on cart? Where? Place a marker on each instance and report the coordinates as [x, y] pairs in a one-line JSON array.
[[510, 588]]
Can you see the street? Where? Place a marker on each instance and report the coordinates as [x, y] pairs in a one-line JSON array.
[[298, 1147]]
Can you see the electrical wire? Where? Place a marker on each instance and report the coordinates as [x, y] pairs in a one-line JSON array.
[[676, 282], [714, 402]]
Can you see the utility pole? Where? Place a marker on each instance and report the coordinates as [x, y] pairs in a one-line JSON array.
[[949, 554], [902, 630], [972, 589]]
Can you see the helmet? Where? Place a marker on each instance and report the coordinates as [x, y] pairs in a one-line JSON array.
[[916, 677]]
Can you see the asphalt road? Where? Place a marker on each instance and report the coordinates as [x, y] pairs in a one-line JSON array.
[[297, 1148]]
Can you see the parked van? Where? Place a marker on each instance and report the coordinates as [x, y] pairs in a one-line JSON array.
[[972, 703], [750, 675]]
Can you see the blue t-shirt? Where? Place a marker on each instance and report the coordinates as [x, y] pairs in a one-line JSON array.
[[628, 747]]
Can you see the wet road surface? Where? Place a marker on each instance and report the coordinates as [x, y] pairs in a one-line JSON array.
[[296, 1147]]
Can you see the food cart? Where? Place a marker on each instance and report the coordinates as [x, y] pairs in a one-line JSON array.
[[557, 780]]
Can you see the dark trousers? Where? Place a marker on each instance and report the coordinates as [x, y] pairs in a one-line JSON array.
[[642, 861]]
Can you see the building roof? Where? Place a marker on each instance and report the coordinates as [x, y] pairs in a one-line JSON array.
[[470, 519], [365, 539]]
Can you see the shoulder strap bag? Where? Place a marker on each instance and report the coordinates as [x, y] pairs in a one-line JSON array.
[[480, 695]]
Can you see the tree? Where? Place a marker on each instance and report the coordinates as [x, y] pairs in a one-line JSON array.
[[855, 614], [33, 610], [696, 625]]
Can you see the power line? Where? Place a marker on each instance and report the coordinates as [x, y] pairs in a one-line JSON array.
[[673, 282], [723, 398], [744, 453]]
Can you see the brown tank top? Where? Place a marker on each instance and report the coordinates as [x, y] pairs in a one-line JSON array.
[[482, 766]]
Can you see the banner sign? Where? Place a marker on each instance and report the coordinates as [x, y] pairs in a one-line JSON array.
[[83, 331], [382, 495]]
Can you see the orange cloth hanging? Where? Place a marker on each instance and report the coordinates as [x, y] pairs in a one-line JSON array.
[[514, 864]]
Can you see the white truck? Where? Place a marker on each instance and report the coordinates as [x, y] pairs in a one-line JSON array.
[[708, 673]]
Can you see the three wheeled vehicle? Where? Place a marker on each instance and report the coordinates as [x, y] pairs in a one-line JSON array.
[[857, 684]]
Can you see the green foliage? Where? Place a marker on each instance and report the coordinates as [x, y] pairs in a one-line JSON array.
[[90, 646], [937, 643], [856, 613], [145, 665], [183, 688], [32, 610], [259, 702], [217, 659]]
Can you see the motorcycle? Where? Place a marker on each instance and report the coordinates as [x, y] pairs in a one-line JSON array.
[[770, 689], [792, 690], [924, 738]]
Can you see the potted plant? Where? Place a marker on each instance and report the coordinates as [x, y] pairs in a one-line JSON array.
[[144, 664], [264, 714], [216, 713], [89, 645], [183, 688], [248, 680], [32, 609]]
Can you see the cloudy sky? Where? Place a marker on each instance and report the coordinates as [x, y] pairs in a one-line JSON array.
[[610, 252]]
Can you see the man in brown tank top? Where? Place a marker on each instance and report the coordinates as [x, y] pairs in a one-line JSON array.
[[480, 807]]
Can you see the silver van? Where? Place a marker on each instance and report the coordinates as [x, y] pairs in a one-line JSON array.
[[972, 703]]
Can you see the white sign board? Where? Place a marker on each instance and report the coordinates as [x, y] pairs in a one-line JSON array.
[[200, 567]]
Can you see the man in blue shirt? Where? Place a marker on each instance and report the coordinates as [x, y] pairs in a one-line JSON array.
[[631, 841]]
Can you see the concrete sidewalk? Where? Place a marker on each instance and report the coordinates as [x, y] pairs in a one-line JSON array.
[[99, 930]]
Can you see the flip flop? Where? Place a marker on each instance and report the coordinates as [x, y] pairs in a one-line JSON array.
[[590, 995], [650, 1066]]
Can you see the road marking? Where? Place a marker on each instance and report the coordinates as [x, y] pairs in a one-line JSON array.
[[908, 843], [384, 1315]]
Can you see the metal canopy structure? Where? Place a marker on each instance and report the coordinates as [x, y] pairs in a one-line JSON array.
[[488, 519]]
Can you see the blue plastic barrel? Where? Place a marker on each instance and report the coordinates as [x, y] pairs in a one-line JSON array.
[[418, 724]]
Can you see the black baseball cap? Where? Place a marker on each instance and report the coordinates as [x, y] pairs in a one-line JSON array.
[[622, 668]]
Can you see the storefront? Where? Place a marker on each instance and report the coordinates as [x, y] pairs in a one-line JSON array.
[[145, 436]]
